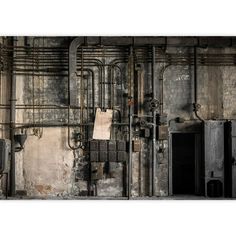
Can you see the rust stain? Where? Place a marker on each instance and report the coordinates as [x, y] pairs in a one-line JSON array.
[[43, 189]]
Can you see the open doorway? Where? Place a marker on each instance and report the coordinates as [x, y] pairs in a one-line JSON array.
[[184, 164]]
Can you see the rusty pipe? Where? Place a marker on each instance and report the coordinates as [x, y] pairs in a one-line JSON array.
[[72, 91], [12, 125], [195, 104]]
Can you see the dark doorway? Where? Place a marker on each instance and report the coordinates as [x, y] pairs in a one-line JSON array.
[[183, 163]]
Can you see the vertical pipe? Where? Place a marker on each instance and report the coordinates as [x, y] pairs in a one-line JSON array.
[[195, 75], [12, 122], [72, 88], [112, 87], [130, 153], [140, 112], [100, 86], [93, 94], [104, 79], [131, 70], [195, 104], [82, 91], [154, 124]]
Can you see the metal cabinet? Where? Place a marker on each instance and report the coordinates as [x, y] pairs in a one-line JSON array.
[[214, 158]]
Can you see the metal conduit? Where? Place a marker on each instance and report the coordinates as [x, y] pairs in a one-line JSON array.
[[130, 105], [12, 127], [154, 81], [72, 92], [196, 106]]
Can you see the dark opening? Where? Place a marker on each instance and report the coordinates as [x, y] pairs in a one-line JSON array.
[[183, 163]]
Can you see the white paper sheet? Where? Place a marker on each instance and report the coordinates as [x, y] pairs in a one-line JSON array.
[[102, 124]]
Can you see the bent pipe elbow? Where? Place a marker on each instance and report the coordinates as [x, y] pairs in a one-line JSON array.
[[74, 45]]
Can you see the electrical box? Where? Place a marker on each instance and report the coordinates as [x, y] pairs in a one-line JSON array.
[[162, 132], [5, 147], [103, 145], [108, 150], [93, 156], [93, 145], [121, 156], [112, 145], [112, 156], [162, 119], [145, 133], [103, 156], [121, 145], [136, 145]]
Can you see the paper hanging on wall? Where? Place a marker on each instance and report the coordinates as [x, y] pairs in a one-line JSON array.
[[102, 124]]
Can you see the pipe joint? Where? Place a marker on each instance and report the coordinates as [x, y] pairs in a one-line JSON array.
[[196, 106]]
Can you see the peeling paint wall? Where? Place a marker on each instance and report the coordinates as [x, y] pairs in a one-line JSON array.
[[48, 164]]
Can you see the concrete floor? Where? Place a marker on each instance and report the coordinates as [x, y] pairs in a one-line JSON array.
[[177, 197]]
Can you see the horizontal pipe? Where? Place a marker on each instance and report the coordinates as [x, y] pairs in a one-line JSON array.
[[29, 125]]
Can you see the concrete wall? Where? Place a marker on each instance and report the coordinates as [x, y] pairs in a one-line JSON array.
[[47, 167]]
